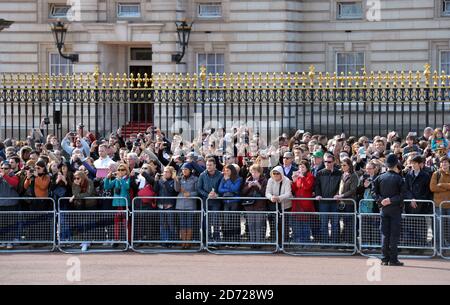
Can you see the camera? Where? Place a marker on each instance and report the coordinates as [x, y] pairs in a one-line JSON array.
[[46, 121]]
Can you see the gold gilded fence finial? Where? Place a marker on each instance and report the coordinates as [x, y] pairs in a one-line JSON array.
[[146, 80], [402, 79], [311, 75], [296, 79], [96, 75], [395, 79], [357, 79], [418, 78], [410, 79], [364, 78], [139, 80], [303, 79], [203, 75], [435, 79], [131, 80], [443, 77], [320, 80], [427, 74], [387, 78]]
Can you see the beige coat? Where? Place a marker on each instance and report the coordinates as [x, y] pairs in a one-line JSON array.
[[441, 188]]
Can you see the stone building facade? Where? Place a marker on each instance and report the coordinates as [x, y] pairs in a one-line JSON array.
[[229, 35]]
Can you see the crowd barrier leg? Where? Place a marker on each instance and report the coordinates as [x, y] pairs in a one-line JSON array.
[[27, 230], [241, 232], [444, 229], [326, 233], [101, 231], [417, 235], [165, 231]]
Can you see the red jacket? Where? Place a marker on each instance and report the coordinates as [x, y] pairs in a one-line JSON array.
[[12, 181], [147, 191], [303, 188]]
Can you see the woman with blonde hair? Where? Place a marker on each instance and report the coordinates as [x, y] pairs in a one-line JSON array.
[[82, 188], [119, 183], [165, 187]]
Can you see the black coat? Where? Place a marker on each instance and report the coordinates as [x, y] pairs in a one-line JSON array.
[[389, 185], [418, 188], [327, 183]]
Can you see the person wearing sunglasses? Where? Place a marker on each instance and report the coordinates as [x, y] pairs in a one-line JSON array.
[[8, 205], [347, 190], [37, 183], [327, 186], [120, 184], [7, 173], [288, 165], [82, 188], [279, 192]]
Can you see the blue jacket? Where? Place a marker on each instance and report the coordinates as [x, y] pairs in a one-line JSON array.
[[228, 188], [166, 188], [206, 183], [123, 185]]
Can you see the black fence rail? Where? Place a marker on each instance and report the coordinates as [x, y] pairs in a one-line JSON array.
[[368, 104]]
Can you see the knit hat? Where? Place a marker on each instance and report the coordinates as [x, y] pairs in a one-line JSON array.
[[187, 166], [391, 161]]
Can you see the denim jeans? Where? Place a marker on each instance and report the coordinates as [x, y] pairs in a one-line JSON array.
[[256, 227], [167, 225], [214, 220], [329, 207], [302, 230]]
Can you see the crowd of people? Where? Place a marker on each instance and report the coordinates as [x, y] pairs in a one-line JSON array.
[[334, 172]]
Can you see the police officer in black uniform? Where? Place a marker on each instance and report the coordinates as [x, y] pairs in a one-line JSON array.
[[389, 190]]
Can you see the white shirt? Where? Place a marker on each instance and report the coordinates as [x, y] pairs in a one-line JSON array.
[[103, 163]]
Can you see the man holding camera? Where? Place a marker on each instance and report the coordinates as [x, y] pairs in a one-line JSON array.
[[72, 141], [8, 187]]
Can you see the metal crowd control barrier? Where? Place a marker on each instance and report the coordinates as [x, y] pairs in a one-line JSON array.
[[241, 232], [321, 233], [102, 230], [28, 226], [418, 233], [162, 231], [444, 229]]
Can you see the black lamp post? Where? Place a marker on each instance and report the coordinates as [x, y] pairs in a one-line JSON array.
[[184, 32], [4, 24], [59, 29]]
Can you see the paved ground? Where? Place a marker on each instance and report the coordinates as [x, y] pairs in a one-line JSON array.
[[132, 268]]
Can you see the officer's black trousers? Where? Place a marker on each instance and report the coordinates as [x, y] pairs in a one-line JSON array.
[[391, 218]]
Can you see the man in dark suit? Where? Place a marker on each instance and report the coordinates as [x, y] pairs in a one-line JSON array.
[[288, 165]]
